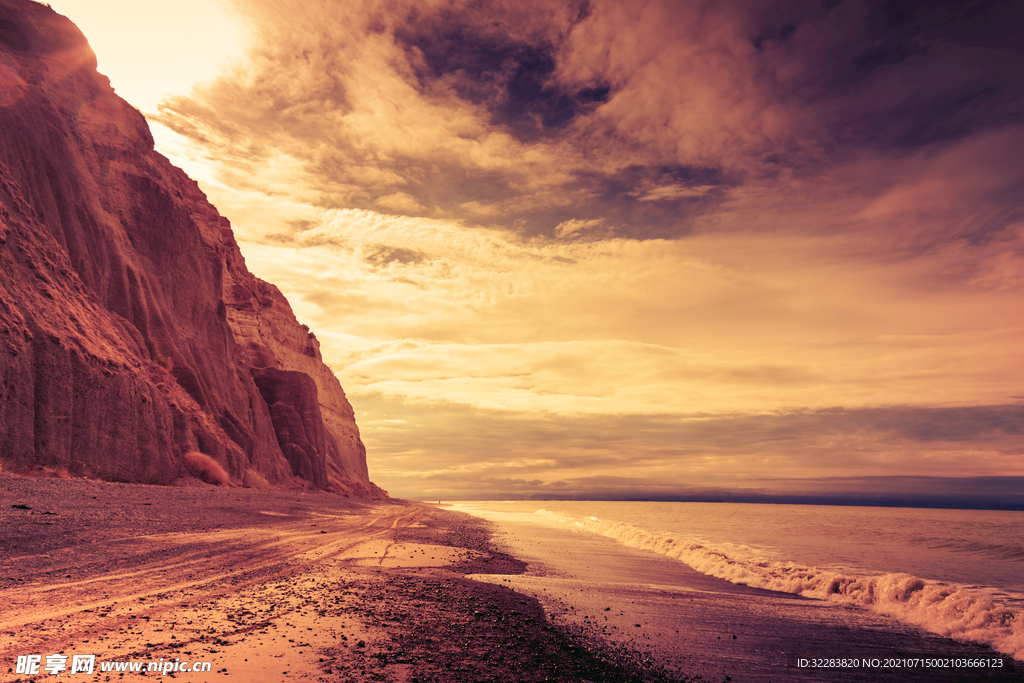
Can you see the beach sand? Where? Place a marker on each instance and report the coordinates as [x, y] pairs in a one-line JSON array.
[[269, 586], [281, 586]]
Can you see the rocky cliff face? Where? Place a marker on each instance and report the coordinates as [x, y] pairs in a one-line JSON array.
[[131, 331]]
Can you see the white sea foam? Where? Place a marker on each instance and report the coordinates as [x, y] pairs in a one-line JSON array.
[[950, 610]]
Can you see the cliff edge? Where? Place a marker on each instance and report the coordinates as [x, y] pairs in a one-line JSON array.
[[132, 334]]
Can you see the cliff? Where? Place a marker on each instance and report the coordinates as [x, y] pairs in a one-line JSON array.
[[131, 332]]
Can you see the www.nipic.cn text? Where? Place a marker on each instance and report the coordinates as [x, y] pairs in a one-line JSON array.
[[56, 664]]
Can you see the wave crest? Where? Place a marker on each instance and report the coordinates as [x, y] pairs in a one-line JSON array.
[[946, 609]]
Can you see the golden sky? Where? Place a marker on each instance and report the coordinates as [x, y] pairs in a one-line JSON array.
[[618, 248]]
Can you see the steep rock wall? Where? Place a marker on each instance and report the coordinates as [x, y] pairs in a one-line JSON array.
[[126, 310], [270, 336]]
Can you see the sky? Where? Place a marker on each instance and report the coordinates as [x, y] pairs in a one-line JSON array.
[[609, 249]]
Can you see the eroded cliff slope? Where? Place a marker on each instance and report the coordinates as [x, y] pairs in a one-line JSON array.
[[131, 331]]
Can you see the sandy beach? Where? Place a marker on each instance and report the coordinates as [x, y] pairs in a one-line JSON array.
[[278, 586], [270, 586]]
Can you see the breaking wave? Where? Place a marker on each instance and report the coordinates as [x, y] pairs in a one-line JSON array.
[[950, 610]]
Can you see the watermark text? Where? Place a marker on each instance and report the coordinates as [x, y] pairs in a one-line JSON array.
[[57, 664]]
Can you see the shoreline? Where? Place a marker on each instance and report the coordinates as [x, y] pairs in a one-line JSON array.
[[716, 628], [279, 585]]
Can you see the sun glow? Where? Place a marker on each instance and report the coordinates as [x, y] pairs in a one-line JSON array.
[[151, 50]]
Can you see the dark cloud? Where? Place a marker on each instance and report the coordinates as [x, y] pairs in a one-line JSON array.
[[648, 116], [952, 424], [384, 255], [902, 74], [490, 56]]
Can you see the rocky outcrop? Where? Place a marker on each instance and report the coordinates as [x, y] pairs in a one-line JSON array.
[[130, 329], [271, 337]]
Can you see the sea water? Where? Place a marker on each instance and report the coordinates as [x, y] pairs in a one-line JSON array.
[[955, 573]]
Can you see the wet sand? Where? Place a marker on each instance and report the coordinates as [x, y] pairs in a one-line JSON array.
[[710, 629], [276, 586]]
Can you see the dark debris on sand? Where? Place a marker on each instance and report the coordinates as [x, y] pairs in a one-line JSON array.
[[442, 627]]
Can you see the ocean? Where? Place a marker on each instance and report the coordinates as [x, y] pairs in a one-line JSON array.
[[891, 582]]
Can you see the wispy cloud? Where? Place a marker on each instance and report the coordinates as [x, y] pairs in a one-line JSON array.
[[432, 454]]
